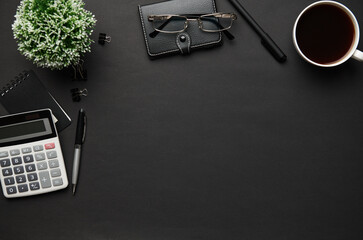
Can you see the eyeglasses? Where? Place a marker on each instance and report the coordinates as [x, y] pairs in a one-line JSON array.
[[214, 22]]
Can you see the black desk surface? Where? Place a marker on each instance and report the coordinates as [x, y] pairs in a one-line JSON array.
[[223, 144]]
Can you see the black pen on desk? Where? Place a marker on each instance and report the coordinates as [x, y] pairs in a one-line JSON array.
[[80, 137], [266, 40]]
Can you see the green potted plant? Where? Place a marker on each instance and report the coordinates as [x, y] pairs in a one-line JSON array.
[[53, 33]]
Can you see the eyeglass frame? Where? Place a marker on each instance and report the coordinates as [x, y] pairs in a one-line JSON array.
[[167, 17]]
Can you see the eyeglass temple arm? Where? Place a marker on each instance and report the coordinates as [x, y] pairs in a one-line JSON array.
[[226, 32]]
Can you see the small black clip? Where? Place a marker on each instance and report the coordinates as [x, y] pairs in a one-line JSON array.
[[103, 38], [77, 94]]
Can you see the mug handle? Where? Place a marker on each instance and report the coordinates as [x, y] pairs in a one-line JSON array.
[[358, 55]]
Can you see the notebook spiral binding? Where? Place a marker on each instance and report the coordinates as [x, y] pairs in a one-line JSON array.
[[13, 83]]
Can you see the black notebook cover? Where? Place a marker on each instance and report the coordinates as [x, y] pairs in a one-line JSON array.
[[26, 93]]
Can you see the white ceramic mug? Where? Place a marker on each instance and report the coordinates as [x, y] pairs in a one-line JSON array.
[[352, 52]]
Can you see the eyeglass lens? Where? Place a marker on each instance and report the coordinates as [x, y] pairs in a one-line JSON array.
[[171, 24], [215, 23]]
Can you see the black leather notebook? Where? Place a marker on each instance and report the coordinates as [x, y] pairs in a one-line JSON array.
[[26, 93], [167, 44]]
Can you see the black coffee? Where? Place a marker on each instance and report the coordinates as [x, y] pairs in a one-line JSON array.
[[325, 33]]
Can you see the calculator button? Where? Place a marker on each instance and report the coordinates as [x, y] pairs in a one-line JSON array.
[[14, 152], [11, 190], [16, 160], [26, 150], [34, 186], [5, 162], [23, 188], [39, 156], [7, 172], [57, 182], [30, 168], [20, 179], [42, 165], [53, 163], [28, 158], [49, 146], [9, 181], [38, 148], [55, 172], [44, 179], [32, 177], [51, 154], [4, 154], [19, 169]]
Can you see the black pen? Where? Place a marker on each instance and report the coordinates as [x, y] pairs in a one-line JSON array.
[[80, 137], [266, 40]]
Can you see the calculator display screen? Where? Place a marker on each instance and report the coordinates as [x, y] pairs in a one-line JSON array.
[[25, 130]]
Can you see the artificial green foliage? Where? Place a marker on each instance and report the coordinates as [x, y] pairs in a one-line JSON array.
[[53, 33]]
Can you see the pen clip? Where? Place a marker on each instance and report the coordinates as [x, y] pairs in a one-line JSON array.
[[84, 128]]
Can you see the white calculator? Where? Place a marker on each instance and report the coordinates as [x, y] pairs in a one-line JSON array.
[[31, 160]]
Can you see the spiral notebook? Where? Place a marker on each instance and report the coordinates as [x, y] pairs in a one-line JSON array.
[[26, 93]]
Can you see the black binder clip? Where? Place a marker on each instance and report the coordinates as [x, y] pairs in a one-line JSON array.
[[103, 38], [77, 94], [79, 72]]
